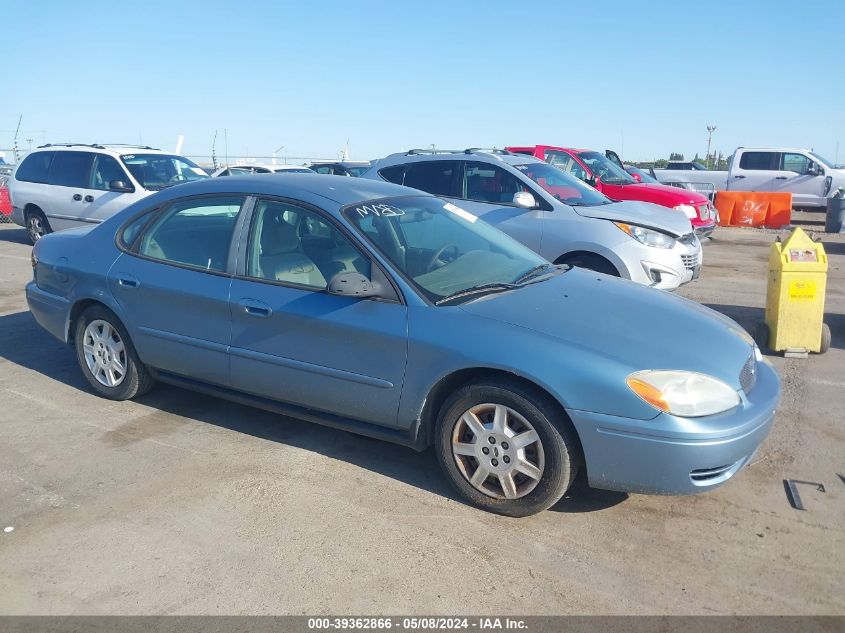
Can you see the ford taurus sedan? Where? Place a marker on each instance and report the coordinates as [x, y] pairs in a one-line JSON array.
[[374, 308]]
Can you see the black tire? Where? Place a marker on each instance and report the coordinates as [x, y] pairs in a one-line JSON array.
[[559, 445], [826, 338], [761, 335], [591, 262], [37, 225], [136, 381]]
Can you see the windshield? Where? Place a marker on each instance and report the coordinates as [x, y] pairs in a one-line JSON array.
[[566, 188], [643, 174], [440, 248], [294, 170], [357, 171], [823, 161], [602, 167], [157, 171]]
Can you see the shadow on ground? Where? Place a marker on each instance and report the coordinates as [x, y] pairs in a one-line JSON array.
[[24, 343], [748, 318], [15, 236]]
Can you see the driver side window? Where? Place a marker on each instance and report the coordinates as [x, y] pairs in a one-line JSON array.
[[297, 246], [798, 163], [487, 183]]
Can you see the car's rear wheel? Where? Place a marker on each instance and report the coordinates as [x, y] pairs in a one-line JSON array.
[[36, 225], [505, 449], [591, 262], [107, 356]]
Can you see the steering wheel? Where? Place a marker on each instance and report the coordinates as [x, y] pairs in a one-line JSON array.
[[178, 178], [436, 257]]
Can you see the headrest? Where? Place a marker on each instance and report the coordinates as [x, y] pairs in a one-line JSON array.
[[277, 237]]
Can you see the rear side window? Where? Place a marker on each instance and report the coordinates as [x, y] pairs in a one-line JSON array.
[[35, 167], [71, 169], [435, 177], [194, 232], [759, 160], [395, 174]]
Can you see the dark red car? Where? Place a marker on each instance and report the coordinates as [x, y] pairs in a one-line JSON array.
[[613, 181]]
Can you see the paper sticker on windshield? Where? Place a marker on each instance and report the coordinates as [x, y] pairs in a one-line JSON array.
[[461, 213], [379, 210]]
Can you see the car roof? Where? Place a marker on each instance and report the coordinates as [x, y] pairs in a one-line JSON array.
[[313, 188], [114, 149], [470, 154]]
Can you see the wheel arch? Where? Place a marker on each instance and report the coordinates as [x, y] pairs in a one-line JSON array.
[[449, 383], [80, 306], [622, 271]]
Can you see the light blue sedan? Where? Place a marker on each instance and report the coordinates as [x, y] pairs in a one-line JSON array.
[[374, 308]]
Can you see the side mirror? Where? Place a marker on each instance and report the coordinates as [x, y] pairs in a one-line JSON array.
[[353, 284], [593, 181], [636, 177], [815, 170], [121, 186], [524, 200]]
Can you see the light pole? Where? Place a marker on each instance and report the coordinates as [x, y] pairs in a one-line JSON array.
[[710, 130]]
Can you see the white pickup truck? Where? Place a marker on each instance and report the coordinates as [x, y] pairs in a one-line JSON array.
[[810, 178]]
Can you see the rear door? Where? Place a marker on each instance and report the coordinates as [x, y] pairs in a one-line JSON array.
[[802, 176], [294, 342], [755, 171], [99, 202], [68, 179], [173, 287]]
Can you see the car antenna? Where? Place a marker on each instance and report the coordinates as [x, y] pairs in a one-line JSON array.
[[213, 154]]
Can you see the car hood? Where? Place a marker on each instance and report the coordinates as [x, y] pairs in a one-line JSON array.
[[625, 322], [641, 213], [659, 194]]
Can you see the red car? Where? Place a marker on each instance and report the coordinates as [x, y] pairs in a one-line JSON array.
[[605, 175]]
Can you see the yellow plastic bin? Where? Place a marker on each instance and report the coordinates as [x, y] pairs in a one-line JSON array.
[[795, 298]]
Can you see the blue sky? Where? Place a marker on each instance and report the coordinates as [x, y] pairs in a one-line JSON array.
[[644, 78]]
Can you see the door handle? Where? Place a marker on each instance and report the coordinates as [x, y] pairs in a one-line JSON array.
[[77, 196], [780, 177], [89, 198], [255, 308], [739, 176], [128, 281]]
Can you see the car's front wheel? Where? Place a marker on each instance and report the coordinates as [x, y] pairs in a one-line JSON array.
[[505, 449], [107, 356]]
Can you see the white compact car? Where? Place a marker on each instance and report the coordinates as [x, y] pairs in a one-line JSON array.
[[64, 186]]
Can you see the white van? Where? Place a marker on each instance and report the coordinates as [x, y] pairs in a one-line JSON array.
[[64, 186]]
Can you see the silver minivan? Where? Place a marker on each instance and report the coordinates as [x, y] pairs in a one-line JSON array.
[[59, 187], [554, 214]]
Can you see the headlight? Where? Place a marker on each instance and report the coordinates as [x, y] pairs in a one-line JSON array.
[[687, 209], [647, 236], [684, 393]]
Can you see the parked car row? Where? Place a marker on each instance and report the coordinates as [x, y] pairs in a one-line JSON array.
[[386, 311], [547, 208]]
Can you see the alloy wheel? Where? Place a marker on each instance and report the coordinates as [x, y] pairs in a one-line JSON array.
[[498, 451], [105, 353], [35, 227]]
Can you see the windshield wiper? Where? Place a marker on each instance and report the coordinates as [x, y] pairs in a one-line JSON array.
[[482, 289], [531, 272]]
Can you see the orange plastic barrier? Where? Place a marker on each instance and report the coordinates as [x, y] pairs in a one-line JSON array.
[[751, 208]]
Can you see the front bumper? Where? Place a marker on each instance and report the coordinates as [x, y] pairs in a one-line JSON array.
[[665, 268], [669, 455]]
